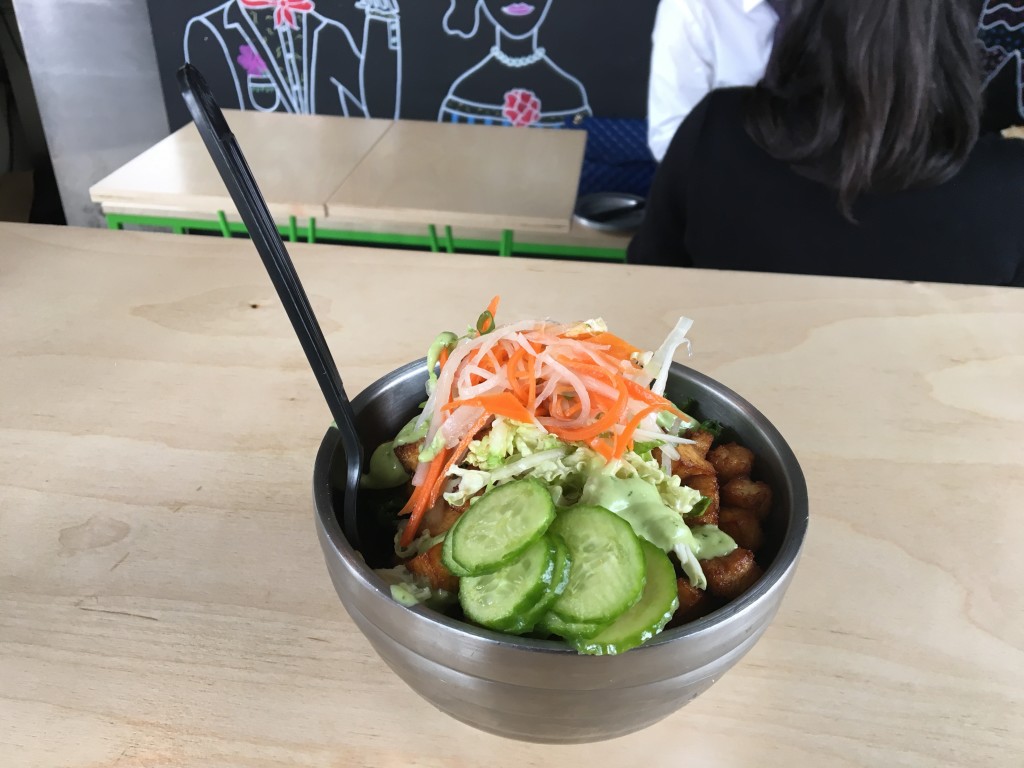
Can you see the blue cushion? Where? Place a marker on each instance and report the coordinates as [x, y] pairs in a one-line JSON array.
[[617, 158]]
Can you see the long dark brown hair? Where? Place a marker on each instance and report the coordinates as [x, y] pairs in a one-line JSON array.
[[871, 95]]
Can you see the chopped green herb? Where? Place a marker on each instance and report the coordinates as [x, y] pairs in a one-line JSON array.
[[687, 405], [713, 427], [485, 323], [701, 506]]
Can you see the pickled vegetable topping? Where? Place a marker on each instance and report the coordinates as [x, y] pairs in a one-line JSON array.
[[558, 491]]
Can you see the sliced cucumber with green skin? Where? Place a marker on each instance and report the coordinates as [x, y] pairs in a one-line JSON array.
[[607, 574], [559, 582], [499, 527], [567, 630], [645, 619], [499, 600], [446, 553]]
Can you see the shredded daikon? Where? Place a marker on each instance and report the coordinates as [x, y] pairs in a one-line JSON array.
[[661, 362]]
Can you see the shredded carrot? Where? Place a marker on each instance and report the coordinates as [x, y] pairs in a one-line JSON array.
[[486, 323], [602, 448], [418, 501], [604, 423], [531, 383], [503, 404], [617, 347], [566, 406], [443, 357], [580, 386], [645, 395], [624, 440], [520, 375], [456, 457]]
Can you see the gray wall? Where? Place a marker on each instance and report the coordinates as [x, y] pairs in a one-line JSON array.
[[30, 143], [94, 72]]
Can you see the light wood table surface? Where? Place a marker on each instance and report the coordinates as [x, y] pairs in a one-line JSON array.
[[298, 160], [466, 175], [164, 602]]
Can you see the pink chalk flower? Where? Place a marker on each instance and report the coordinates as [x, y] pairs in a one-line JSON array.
[[251, 61], [522, 107]]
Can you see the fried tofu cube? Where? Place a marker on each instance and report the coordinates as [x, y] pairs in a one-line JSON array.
[[691, 462], [743, 526], [693, 603], [408, 455], [729, 576], [429, 566], [706, 485], [731, 460], [749, 494], [702, 441], [440, 518]]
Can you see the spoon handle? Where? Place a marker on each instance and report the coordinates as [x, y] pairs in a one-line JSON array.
[[241, 184]]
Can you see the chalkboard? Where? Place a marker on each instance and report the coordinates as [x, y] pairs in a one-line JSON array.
[[542, 62], [1001, 30]]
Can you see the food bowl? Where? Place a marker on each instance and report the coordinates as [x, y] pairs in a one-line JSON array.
[[540, 690]]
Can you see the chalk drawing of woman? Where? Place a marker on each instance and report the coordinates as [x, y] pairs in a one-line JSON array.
[[516, 83]]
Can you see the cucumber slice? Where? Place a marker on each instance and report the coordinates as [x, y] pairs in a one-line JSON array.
[[559, 582], [567, 630], [446, 552], [501, 525], [607, 574], [645, 619], [499, 600]]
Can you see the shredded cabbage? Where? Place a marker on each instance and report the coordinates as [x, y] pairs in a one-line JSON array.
[[507, 438], [420, 544], [546, 466], [410, 589], [587, 327]]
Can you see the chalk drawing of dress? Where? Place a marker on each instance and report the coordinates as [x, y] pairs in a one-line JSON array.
[[1001, 31], [517, 83], [284, 55]]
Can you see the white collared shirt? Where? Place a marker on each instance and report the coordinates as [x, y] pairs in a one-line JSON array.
[[700, 45]]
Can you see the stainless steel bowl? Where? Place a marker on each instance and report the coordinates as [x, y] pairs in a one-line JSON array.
[[538, 690]]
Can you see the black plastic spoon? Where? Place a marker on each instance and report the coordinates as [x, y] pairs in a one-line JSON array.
[[238, 179]]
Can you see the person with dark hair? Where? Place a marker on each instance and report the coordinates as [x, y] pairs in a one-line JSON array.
[[858, 154], [700, 45]]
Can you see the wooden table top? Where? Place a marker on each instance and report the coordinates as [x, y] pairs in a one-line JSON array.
[[403, 172], [164, 602], [298, 161], [466, 175]]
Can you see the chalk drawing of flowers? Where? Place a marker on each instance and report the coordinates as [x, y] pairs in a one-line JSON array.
[[251, 61], [522, 107]]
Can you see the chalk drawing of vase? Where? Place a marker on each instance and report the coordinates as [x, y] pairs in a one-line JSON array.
[[516, 83]]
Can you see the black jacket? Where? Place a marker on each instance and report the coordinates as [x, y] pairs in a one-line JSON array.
[[720, 201]]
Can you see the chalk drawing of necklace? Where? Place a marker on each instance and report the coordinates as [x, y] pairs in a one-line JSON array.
[[518, 62]]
